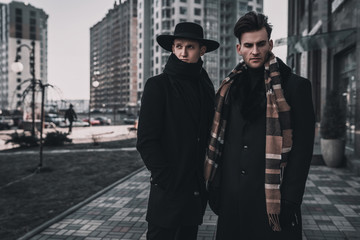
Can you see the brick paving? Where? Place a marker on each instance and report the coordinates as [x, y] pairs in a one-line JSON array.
[[331, 210]]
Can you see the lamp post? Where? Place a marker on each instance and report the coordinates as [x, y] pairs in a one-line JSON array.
[[18, 67], [95, 83]]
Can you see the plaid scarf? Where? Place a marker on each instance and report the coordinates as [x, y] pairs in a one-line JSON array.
[[278, 135]]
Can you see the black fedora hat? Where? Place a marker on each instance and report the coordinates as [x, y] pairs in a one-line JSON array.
[[187, 30]]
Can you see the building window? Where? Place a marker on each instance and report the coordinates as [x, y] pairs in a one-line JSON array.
[[19, 80], [18, 88], [156, 60], [18, 11], [183, 1], [183, 10], [258, 10], [198, 1], [182, 20], [243, 6], [197, 11], [32, 13], [249, 8]]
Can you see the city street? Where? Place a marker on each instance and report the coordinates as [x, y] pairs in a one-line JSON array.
[[81, 134]]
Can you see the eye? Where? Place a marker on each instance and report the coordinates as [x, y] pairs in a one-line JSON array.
[[248, 45], [261, 44], [178, 46]]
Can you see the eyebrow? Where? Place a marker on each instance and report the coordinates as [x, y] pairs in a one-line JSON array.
[[260, 42]]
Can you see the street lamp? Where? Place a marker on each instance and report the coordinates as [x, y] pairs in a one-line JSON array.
[[95, 83], [18, 67]]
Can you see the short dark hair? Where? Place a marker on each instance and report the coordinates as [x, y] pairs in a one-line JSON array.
[[250, 22]]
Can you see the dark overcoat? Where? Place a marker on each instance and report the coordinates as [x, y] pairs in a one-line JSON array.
[[173, 132], [242, 212]]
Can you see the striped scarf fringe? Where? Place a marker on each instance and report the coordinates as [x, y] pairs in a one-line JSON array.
[[278, 135]]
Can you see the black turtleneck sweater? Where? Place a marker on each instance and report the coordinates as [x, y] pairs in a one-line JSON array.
[[185, 78]]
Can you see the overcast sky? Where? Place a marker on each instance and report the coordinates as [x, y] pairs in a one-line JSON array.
[[69, 40]]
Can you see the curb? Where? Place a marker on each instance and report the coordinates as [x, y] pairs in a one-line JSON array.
[[62, 215]]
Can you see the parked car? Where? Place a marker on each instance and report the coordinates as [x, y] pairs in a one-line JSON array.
[[104, 120], [130, 119], [6, 122], [76, 123], [93, 121], [53, 118]]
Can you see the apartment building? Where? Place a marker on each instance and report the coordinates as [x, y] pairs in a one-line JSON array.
[[23, 27], [217, 17], [113, 62]]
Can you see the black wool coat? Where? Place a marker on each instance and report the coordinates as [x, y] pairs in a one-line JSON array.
[[242, 212], [175, 117]]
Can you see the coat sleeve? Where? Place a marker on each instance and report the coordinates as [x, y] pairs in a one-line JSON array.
[[150, 126], [303, 123]]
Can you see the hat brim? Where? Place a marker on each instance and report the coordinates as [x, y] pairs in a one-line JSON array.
[[166, 42]]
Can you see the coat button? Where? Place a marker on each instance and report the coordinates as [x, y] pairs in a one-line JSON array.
[[198, 139], [196, 193], [243, 172], [245, 147]]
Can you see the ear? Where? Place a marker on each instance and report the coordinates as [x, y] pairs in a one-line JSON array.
[[202, 50], [173, 48], [238, 48], [271, 44]]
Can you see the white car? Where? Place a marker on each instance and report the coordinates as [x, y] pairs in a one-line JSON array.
[[76, 123]]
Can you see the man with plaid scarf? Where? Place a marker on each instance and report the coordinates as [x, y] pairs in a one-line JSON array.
[[261, 141]]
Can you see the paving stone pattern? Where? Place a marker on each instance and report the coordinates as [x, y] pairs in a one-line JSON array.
[[331, 210]]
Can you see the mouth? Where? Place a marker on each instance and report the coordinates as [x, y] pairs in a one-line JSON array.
[[255, 59]]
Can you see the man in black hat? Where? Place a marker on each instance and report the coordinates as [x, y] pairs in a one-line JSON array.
[[175, 116]]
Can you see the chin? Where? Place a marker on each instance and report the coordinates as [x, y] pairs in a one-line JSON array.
[[256, 65]]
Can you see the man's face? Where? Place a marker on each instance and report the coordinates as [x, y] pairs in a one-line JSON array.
[[254, 48], [188, 50]]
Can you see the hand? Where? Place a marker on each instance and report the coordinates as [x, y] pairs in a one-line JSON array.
[[290, 214]]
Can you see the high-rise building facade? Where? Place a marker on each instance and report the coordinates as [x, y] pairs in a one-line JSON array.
[[324, 46], [113, 62], [217, 17], [22, 26]]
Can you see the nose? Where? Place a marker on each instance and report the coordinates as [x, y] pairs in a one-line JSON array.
[[183, 52], [255, 50]]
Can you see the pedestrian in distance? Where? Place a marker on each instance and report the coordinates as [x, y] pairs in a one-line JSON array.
[[261, 142], [71, 116], [176, 112]]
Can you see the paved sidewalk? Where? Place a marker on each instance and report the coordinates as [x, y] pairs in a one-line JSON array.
[[331, 210]]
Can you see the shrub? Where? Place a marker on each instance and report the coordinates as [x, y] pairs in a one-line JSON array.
[[23, 139], [56, 138], [333, 121]]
